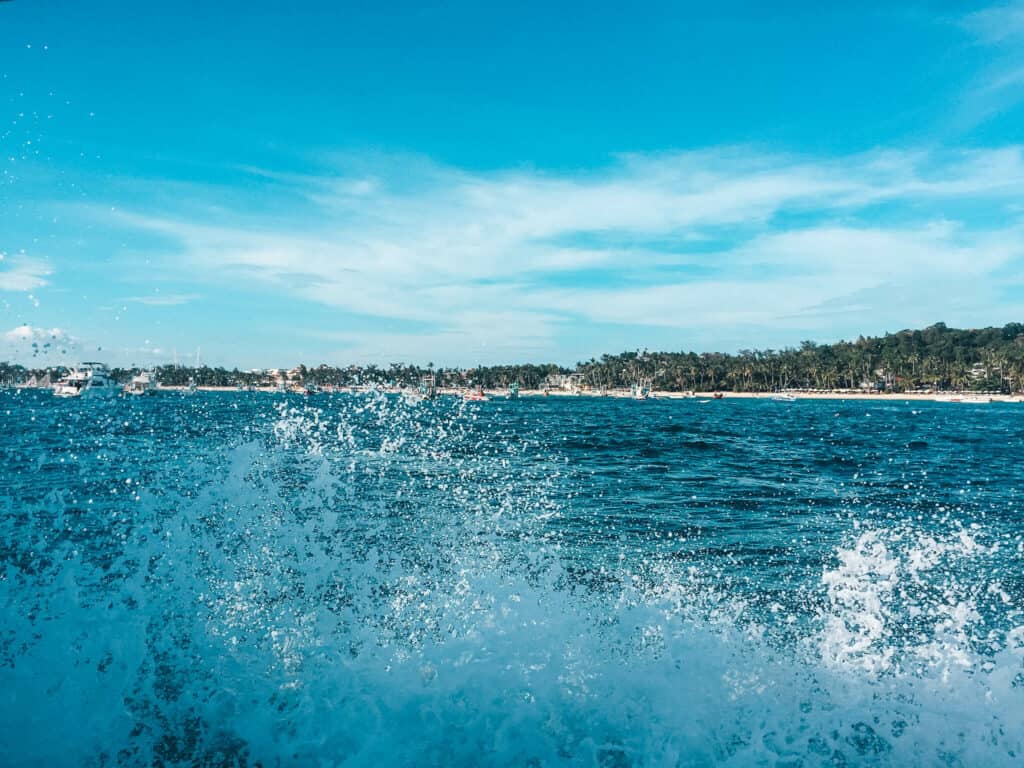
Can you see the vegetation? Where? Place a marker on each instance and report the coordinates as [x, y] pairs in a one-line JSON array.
[[937, 358]]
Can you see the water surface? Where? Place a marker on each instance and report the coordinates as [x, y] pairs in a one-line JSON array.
[[254, 579]]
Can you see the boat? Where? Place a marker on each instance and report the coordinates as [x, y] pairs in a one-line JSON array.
[[477, 396], [783, 398], [640, 392], [142, 384], [92, 379], [513, 391], [960, 398], [718, 395], [428, 387]]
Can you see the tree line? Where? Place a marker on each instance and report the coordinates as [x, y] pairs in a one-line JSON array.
[[937, 358]]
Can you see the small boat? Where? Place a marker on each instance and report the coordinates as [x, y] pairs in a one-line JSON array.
[[92, 379], [428, 387], [718, 395], [968, 399], [142, 384], [513, 391], [783, 398], [476, 397], [640, 392]]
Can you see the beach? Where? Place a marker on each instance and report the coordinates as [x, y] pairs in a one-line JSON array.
[[622, 394]]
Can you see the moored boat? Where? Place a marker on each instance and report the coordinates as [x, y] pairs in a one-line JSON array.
[[427, 387], [92, 379], [142, 384]]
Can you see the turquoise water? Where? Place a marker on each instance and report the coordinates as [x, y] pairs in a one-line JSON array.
[[253, 579]]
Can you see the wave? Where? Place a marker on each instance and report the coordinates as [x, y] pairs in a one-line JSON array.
[[378, 585]]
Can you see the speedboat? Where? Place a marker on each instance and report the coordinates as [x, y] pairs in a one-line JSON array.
[[90, 379], [783, 398], [513, 391], [140, 385]]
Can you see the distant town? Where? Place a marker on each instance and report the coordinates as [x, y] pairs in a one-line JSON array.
[[933, 359]]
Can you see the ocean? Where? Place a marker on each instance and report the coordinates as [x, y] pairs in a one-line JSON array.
[[232, 579]]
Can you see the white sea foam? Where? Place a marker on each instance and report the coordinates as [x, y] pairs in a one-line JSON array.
[[383, 590]]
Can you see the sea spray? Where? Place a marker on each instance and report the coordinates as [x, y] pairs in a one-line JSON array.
[[372, 580]]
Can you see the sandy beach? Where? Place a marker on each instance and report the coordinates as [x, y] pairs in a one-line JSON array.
[[948, 397]]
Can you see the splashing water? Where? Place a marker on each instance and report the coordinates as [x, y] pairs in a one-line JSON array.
[[241, 580]]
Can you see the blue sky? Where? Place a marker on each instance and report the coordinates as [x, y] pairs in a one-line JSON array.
[[463, 183]]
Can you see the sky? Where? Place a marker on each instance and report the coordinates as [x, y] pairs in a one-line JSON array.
[[261, 184]]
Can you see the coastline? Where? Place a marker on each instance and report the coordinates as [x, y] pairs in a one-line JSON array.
[[966, 398]]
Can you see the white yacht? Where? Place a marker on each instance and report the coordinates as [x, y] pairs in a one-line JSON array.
[[142, 384], [86, 379]]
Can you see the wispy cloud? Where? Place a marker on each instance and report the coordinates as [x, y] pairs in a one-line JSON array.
[[164, 300], [1000, 86], [719, 239], [998, 23], [22, 274]]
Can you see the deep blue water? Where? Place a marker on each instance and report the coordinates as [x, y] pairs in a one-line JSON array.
[[253, 579]]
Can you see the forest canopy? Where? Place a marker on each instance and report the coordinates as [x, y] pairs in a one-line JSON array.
[[935, 358]]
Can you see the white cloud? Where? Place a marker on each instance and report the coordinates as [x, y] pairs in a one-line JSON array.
[[21, 274], [722, 239], [796, 279], [29, 334], [43, 345]]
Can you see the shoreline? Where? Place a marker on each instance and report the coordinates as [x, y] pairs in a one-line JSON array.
[[496, 394]]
